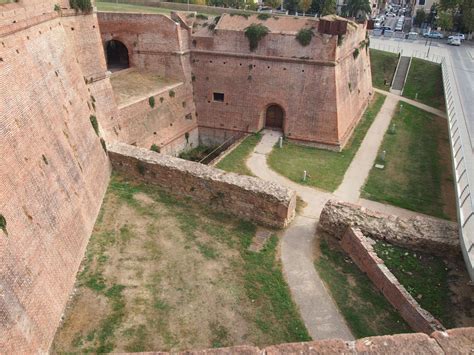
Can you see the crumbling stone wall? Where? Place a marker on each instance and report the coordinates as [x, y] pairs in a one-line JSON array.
[[244, 196], [361, 251], [53, 177], [425, 234]]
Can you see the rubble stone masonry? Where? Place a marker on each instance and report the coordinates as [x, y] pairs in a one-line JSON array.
[[244, 196], [422, 233]]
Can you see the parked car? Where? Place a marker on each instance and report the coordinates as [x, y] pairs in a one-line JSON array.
[[386, 28], [459, 35], [433, 34], [454, 41], [412, 35], [399, 27]]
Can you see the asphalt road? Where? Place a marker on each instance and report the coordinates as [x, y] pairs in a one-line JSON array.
[[462, 59]]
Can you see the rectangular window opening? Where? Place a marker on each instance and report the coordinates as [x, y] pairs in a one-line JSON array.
[[218, 96]]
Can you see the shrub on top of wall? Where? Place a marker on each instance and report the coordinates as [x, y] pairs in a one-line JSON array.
[[254, 33], [202, 17], [304, 36], [263, 16], [151, 101], [81, 5], [155, 148], [172, 93]]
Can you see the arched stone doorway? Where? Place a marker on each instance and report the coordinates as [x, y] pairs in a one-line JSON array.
[[117, 55], [274, 117]]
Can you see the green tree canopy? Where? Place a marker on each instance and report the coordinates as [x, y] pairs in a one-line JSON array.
[[420, 17], [354, 7]]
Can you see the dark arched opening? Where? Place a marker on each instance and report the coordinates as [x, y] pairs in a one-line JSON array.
[[117, 55], [274, 117]]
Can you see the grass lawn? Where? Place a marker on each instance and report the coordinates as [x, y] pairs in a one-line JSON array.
[[383, 65], [108, 6], [417, 174], [425, 277], [325, 168], [426, 80], [235, 160], [166, 274], [366, 311]]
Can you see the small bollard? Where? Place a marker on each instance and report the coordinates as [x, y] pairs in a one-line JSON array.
[[382, 156], [401, 107], [416, 96], [392, 128], [304, 175], [280, 142]]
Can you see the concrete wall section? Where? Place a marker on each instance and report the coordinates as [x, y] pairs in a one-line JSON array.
[[360, 249], [422, 233], [246, 197], [54, 175]]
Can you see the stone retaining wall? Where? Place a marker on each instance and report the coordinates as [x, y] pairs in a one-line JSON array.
[[244, 196], [361, 251], [453, 341], [425, 234]]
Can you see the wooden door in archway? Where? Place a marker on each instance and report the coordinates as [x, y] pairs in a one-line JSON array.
[[274, 117]]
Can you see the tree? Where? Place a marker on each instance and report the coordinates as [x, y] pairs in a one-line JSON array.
[[445, 20], [323, 7], [304, 5], [291, 5], [273, 3], [467, 16], [355, 7], [420, 17]]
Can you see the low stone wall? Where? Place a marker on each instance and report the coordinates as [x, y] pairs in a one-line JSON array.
[[425, 234], [244, 196], [453, 341], [361, 251]]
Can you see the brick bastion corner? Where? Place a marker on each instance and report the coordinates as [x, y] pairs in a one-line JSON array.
[[247, 197]]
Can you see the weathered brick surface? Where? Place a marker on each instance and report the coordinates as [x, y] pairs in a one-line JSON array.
[[247, 197], [53, 177], [321, 87], [422, 233], [360, 249], [164, 53], [456, 341], [459, 341]]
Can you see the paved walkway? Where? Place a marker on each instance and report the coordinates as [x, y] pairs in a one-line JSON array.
[[318, 310], [316, 306], [413, 103], [364, 159]]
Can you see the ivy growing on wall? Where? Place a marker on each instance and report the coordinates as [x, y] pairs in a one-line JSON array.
[[254, 33], [304, 36], [263, 16], [81, 5], [3, 224], [94, 123], [151, 101], [355, 54]]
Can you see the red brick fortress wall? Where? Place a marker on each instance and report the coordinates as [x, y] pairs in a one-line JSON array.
[[360, 249], [53, 177], [159, 45]]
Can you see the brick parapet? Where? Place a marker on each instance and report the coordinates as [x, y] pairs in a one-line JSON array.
[[361, 251], [453, 341], [244, 196]]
